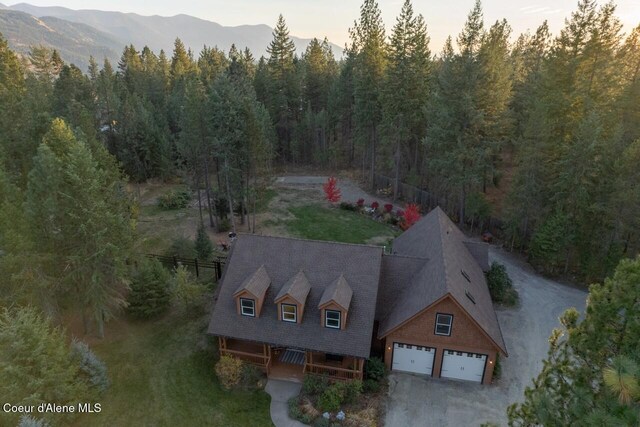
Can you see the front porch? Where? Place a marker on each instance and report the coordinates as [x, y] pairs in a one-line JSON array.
[[292, 364]]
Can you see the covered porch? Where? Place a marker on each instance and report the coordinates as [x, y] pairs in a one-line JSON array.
[[292, 364]]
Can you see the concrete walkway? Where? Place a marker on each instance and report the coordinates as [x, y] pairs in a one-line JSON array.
[[280, 392]]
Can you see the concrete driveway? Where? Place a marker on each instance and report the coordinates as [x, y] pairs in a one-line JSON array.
[[418, 401]]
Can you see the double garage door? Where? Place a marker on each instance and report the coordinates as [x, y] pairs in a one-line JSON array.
[[455, 364]]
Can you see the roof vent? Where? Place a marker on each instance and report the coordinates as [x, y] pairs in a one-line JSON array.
[[466, 276], [468, 294]]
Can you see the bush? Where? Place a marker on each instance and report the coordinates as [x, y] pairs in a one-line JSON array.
[[224, 225], [388, 207], [500, 285], [375, 205], [229, 371], [251, 377], [186, 290], [314, 384], [203, 245], [351, 390], [150, 292], [182, 247], [371, 386], [497, 369], [90, 365], [348, 206], [175, 199], [331, 399], [322, 422], [360, 203], [375, 369]]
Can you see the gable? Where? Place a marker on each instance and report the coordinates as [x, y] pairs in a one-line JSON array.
[[465, 331]]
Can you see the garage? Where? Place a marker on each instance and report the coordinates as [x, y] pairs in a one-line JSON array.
[[413, 358], [463, 366]]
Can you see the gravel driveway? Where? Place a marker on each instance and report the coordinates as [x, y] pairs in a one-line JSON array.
[[418, 401], [349, 191]]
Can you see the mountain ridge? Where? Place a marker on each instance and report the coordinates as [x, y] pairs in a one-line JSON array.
[[159, 32]]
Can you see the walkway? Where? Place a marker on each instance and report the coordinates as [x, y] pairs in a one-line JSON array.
[[281, 392]]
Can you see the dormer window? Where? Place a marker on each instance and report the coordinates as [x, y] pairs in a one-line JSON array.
[[332, 319], [289, 313], [292, 298], [248, 307], [250, 295], [443, 324]]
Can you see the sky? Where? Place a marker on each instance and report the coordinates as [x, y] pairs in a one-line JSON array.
[[332, 18]]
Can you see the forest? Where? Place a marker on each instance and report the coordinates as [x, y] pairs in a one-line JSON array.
[[538, 130]]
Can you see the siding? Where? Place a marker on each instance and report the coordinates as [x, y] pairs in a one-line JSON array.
[[465, 336]]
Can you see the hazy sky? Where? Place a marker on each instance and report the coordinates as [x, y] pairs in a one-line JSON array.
[[332, 18]]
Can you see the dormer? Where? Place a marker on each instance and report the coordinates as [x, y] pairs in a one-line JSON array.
[[250, 295], [292, 298], [334, 304]]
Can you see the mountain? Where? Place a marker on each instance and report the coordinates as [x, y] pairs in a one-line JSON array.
[[74, 41], [159, 32]]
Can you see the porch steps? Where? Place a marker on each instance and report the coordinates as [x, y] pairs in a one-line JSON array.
[[294, 357]]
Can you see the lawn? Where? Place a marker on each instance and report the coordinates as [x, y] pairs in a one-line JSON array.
[[320, 223], [162, 374]]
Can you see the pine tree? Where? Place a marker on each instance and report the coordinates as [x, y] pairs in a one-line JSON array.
[[406, 93], [203, 244], [368, 39]]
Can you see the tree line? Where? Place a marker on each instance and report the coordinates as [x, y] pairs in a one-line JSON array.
[[549, 124]]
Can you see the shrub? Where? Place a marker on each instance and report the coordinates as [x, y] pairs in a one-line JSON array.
[[371, 386], [332, 398], [400, 213], [388, 207], [410, 216], [229, 371], [331, 190], [500, 285], [375, 369], [348, 206], [251, 377], [175, 199], [224, 225], [322, 422], [203, 245], [91, 366], [375, 205], [351, 390], [150, 292], [182, 247], [186, 290], [497, 369], [360, 203], [314, 384]]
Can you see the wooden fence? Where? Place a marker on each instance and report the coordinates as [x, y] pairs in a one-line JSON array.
[[216, 263]]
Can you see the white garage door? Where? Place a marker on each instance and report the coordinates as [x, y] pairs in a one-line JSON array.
[[463, 366], [413, 358]]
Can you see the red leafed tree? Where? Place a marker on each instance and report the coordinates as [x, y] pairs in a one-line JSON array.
[[410, 217], [331, 190]]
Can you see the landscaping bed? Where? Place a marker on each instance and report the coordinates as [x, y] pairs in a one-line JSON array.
[[326, 403]]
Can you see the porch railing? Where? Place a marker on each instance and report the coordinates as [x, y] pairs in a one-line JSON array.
[[333, 371]]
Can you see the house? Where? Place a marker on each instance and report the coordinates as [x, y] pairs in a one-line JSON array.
[[293, 306]]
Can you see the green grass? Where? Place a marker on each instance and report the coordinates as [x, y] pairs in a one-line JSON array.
[[162, 374], [319, 223]]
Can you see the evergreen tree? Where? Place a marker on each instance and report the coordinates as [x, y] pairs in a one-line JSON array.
[[368, 38], [575, 386]]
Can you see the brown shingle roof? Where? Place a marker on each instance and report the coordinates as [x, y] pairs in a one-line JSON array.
[[447, 260], [322, 262], [297, 287], [339, 292], [257, 283]]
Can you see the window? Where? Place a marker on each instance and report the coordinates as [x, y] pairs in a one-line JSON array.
[[332, 319], [247, 307], [466, 276], [443, 324], [289, 313], [471, 298]]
